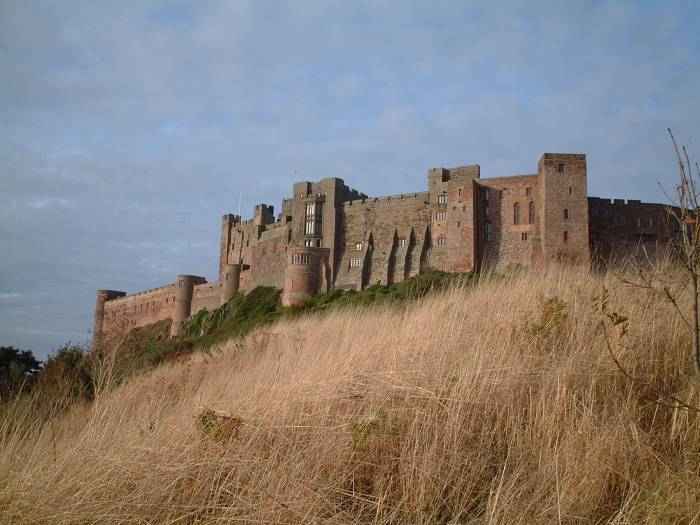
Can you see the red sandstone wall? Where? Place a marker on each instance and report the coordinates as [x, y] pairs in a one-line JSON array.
[[618, 229], [387, 219], [206, 295], [508, 245], [139, 309], [559, 191], [268, 259], [262, 251]]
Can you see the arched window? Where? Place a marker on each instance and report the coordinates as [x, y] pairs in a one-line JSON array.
[[516, 213], [531, 212]]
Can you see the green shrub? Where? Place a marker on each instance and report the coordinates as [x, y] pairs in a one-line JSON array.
[[217, 426], [552, 318], [196, 325]]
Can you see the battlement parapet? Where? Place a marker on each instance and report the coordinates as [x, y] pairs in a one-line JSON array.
[[388, 199], [140, 295], [622, 202], [509, 179]]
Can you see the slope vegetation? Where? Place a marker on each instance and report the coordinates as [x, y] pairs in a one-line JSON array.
[[494, 403]]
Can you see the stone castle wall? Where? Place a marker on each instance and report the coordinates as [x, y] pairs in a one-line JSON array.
[[140, 309], [619, 228], [330, 235]]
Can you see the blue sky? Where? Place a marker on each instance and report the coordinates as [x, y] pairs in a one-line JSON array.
[[129, 128]]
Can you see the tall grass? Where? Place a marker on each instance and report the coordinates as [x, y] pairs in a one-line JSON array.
[[490, 404]]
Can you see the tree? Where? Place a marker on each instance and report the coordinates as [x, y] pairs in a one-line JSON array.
[[687, 246], [17, 369], [66, 374], [669, 283]]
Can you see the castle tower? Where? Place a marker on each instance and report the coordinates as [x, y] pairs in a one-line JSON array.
[[263, 214], [563, 207], [183, 301], [230, 281], [306, 274], [228, 222], [98, 325]]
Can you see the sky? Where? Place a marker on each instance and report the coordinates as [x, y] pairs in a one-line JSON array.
[[128, 128]]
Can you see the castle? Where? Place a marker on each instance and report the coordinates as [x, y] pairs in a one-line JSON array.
[[329, 235]]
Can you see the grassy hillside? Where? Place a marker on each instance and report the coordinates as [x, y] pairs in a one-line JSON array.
[[495, 403], [151, 345]]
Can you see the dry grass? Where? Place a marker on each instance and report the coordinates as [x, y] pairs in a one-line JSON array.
[[476, 406]]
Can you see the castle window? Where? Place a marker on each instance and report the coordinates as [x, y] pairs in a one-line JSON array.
[[318, 243], [566, 214], [645, 222], [487, 211], [402, 241], [523, 236], [314, 213], [308, 242], [531, 213], [441, 241], [358, 246], [301, 258], [566, 235], [516, 213], [619, 220], [528, 191], [464, 209], [355, 263], [569, 190], [487, 194], [487, 231], [441, 215], [646, 238], [459, 192], [442, 199], [560, 168]]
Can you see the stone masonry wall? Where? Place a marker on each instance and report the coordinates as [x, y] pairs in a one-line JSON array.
[[139, 309], [389, 232], [206, 295], [511, 243], [619, 228]]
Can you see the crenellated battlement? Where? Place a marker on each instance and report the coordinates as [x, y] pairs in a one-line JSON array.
[[388, 199]]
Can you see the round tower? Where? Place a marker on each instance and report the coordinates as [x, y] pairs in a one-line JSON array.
[[305, 275], [231, 276], [183, 301], [98, 326]]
